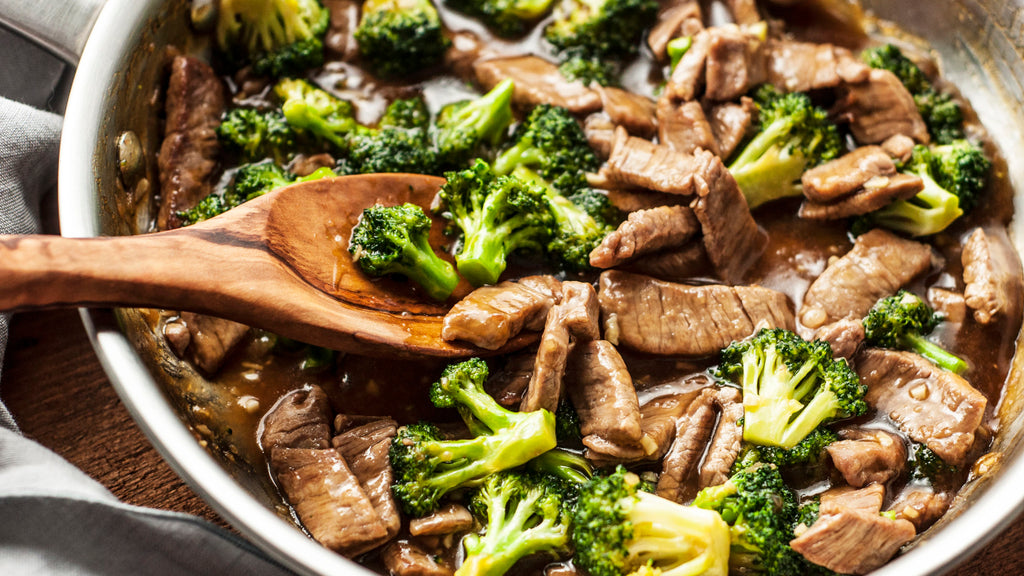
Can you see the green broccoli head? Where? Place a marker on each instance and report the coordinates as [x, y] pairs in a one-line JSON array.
[[464, 127], [524, 514], [926, 465], [809, 452], [406, 113], [314, 111], [552, 143], [902, 321], [506, 18], [790, 386], [889, 57], [426, 467], [619, 529], [254, 135], [497, 215], [399, 38], [276, 37], [396, 240], [794, 135], [589, 69], [601, 28], [961, 168], [392, 150]]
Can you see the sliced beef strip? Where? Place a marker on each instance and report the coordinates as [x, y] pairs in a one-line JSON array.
[[950, 304], [508, 384], [658, 317], [658, 419], [580, 311], [921, 507], [931, 405], [728, 438], [537, 82], [340, 38], [447, 519], [805, 66], [744, 12], [879, 264], [674, 265], [730, 123], [876, 193], [684, 128], [868, 456], [844, 336], [736, 62], [365, 449], [675, 19], [211, 339], [853, 542], [188, 156], [687, 78], [868, 499], [847, 174], [899, 147], [602, 392], [638, 163], [991, 277], [491, 315], [732, 239], [634, 112], [600, 132], [633, 200], [878, 108], [645, 232], [405, 558], [601, 450], [299, 419]]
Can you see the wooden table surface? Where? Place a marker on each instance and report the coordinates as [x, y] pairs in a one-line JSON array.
[[54, 386]]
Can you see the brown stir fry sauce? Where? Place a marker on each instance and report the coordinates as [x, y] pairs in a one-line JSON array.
[[258, 373]]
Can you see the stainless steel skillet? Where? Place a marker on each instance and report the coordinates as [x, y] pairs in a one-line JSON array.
[[105, 190]]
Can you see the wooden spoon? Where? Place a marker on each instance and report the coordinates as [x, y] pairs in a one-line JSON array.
[[279, 262]]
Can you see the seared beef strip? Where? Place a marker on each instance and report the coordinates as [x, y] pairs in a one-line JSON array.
[[645, 232], [188, 155], [211, 339], [448, 519], [658, 317], [508, 383], [899, 147], [876, 193], [491, 315], [674, 264], [921, 507], [867, 500], [950, 304], [683, 127], [845, 336], [731, 123], [658, 422], [634, 112], [991, 277], [736, 62], [638, 163], [879, 264], [602, 392], [805, 66], [634, 200], [340, 38], [365, 449], [300, 419], [405, 558], [868, 456], [847, 174], [675, 19], [725, 445], [687, 77], [931, 405], [537, 82], [600, 131], [580, 311], [743, 12], [878, 108]]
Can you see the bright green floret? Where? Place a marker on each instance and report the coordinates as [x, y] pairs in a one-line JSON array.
[[497, 216], [790, 386], [902, 321], [400, 38], [254, 135], [426, 467], [551, 143], [396, 240], [506, 18], [794, 135], [619, 530], [809, 452], [565, 465], [523, 514], [940, 112], [464, 127], [927, 465], [589, 69], [393, 150], [407, 113], [314, 111], [275, 37], [961, 168], [601, 28]]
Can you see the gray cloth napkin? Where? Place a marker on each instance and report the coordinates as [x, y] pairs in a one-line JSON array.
[[53, 518]]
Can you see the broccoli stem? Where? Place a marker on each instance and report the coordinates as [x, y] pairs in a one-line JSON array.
[[935, 353], [436, 276], [523, 153], [508, 539], [484, 254]]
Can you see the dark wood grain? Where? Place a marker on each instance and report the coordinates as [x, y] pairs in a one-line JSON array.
[[56, 389]]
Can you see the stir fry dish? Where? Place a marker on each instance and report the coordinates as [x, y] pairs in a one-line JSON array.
[[768, 299]]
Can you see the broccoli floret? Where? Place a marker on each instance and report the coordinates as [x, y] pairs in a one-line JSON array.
[[275, 37], [426, 467], [552, 143], [407, 113], [395, 240], [463, 127], [926, 464], [524, 514], [790, 386], [620, 530], [903, 321], [506, 18], [794, 135], [400, 37], [391, 150], [565, 465], [601, 28], [760, 511], [809, 452], [961, 168], [310, 109], [677, 48], [255, 135], [497, 215], [808, 513], [940, 112], [589, 69], [567, 423]]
